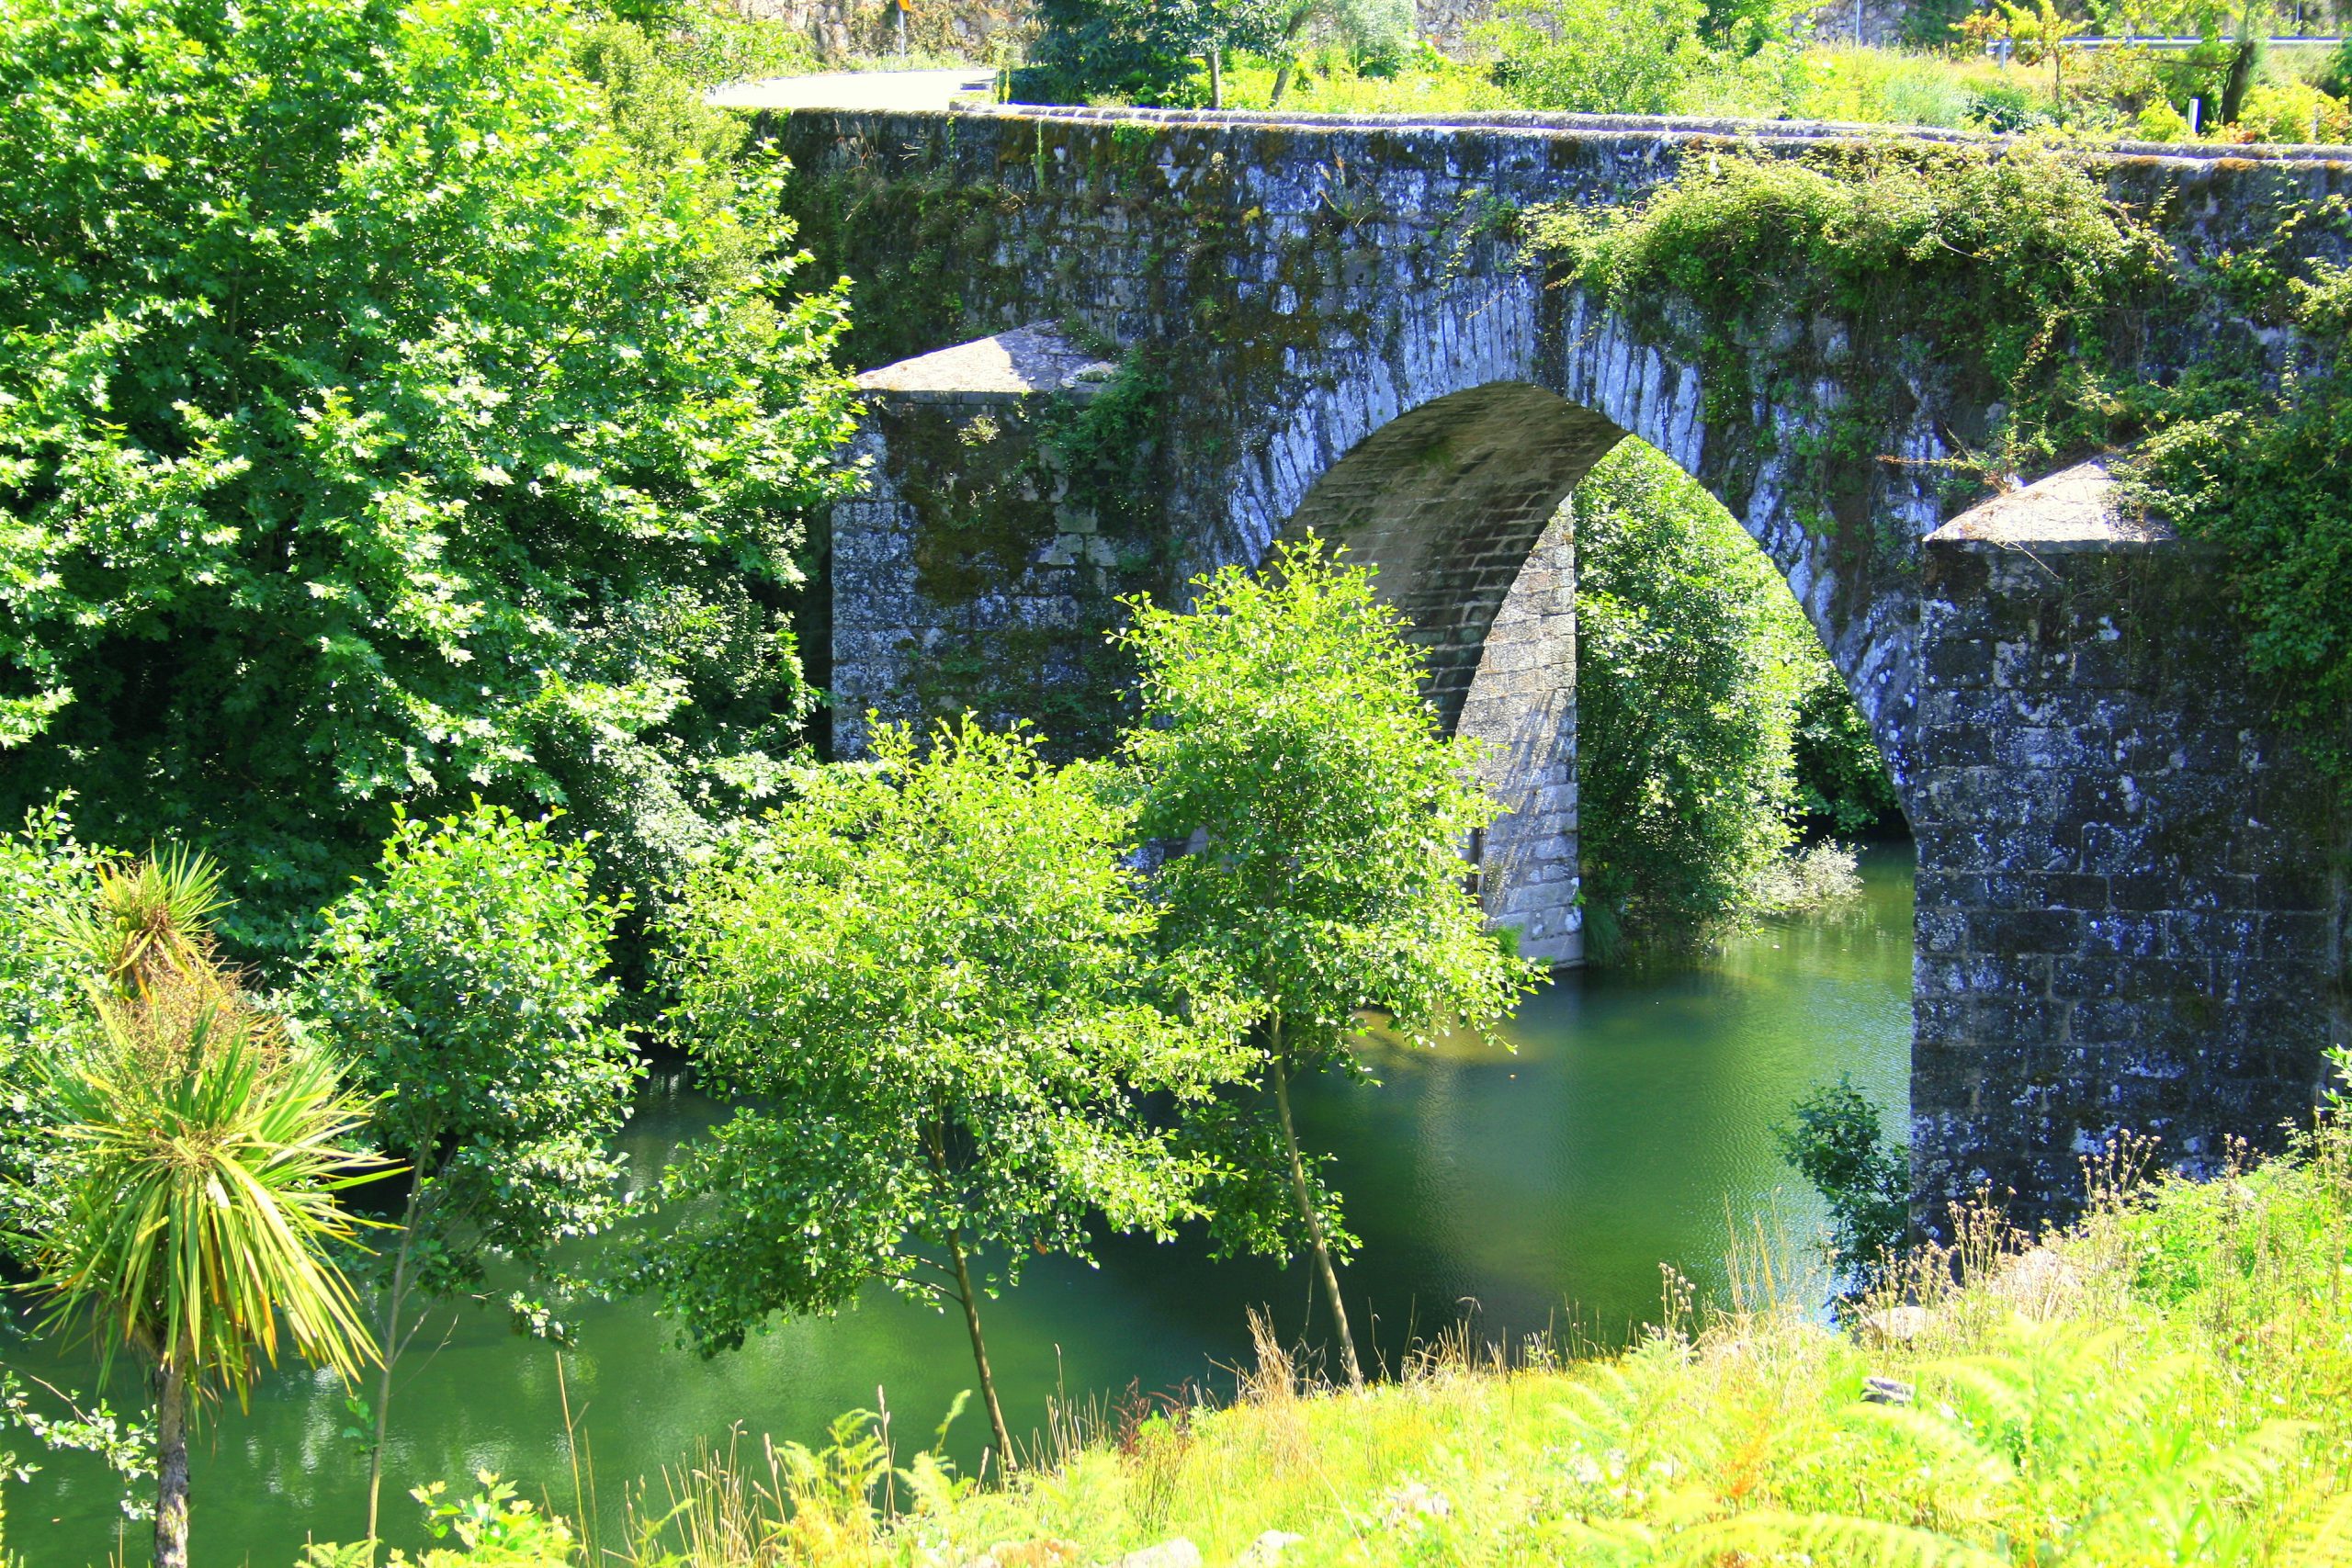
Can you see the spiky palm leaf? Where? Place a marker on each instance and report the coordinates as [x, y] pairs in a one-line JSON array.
[[205, 1206], [152, 919]]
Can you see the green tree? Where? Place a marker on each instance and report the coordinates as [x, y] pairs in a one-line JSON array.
[[931, 975], [1376, 33], [1596, 56], [1282, 737], [470, 981], [206, 1149], [46, 876], [1842, 774], [1692, 663], [377, 424], [1142, 50]]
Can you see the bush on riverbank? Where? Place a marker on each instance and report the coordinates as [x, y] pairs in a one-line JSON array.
[[1710, 722], [2163, 1383]]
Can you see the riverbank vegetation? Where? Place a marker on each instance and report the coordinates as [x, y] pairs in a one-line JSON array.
[[945, 989], [2160, 1383], [1711, 727]]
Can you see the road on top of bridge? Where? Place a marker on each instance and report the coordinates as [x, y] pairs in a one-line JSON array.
[[861, 90]]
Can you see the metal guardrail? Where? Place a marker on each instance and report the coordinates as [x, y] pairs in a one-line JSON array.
[[2001, 49]]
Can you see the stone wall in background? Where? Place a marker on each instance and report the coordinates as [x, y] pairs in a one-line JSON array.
[[1449, 22], [976, 30]]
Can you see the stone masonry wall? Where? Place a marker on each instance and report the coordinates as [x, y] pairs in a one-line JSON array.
[[2128, 902], [974, 575], [1522, 709]]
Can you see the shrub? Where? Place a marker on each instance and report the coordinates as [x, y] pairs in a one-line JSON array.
[[2293, 112], [494, 1528], [45, 875], [1596, 56], [1691, 664], [1841, 775], [470, 982], [1282, 727], [2007, 262], [377, 425], [2335, 77], [928, 982], [1815, 875]]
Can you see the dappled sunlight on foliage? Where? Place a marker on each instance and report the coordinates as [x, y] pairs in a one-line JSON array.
[[380, 423]]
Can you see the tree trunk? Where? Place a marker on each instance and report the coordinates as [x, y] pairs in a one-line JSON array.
[[388, 1344], [170, 1468], [1004, 1459], [1216, 77], [2234, 86], [1300, 16], [1323, 1269]]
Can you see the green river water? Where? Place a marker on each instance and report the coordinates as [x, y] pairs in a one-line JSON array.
[[1537, 1188]]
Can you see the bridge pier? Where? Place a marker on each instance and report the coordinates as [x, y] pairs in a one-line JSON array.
[[2130, 893], [973, 574]]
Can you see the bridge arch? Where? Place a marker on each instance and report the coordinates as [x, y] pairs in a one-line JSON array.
[[1505, 365], [1458, 503], [1443, 458]]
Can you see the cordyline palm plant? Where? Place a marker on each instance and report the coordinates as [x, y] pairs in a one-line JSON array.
[[150, 921], [207, 1150]]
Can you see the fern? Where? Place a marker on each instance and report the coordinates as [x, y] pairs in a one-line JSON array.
[[1831, 1538], [1952, 1445], [2325, 1540]]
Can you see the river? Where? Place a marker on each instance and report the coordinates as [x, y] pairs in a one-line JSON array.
[[1537, 1188]]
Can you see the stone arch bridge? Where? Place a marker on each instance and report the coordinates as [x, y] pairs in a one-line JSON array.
[[1111, 350]]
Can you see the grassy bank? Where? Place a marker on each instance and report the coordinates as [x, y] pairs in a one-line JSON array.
[[2170, 1382]]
